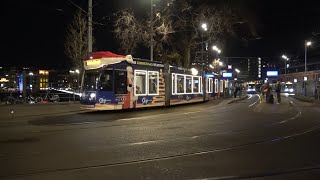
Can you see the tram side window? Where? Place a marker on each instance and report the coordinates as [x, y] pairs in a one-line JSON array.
[[106, 81], [209, 85], [180, 84], [120, 82], [221, 85], [153, 82], [140, 82], [188, 84], [216, 86], [196, 85]]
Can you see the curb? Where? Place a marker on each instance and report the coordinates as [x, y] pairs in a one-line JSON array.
[[237, 100], [305, 99]]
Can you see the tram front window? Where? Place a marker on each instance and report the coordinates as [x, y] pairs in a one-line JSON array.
[[90, 80], [105, 81]]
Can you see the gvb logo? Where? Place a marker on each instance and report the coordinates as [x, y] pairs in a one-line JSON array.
[[145, 101], [103, 101], [188, 98]]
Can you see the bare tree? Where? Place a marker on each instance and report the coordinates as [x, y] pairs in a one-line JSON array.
[[177, 28], [76, 43]]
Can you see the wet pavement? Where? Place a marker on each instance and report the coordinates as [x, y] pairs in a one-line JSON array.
[[213, 140]]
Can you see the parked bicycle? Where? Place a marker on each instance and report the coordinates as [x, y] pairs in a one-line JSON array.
[[51, 97], [12, 100], [31, 99]]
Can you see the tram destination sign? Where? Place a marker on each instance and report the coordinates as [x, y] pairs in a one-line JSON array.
[[149, 64]]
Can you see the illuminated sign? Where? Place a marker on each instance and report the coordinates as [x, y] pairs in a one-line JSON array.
[[272, 73], [43, 72], [149, 64], [4, 80], [93, 62], [209, 75], [227, 75]]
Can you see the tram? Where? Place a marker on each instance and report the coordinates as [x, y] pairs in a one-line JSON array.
[[114, 82], [287, 87], [251, 88]]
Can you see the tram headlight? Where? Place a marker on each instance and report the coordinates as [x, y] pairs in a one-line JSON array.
[[92, 96], [291, 90]]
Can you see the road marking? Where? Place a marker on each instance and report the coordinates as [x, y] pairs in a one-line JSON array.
[[256, 101]]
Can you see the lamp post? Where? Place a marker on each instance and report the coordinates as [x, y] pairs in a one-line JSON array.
[[204, 27], [78, 72], [307, 43], [285, 63], [151, 30]]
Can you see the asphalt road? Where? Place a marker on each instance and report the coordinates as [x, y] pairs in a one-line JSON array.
[[212, 140]]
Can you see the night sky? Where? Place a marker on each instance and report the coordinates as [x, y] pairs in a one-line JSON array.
[[33, 32]]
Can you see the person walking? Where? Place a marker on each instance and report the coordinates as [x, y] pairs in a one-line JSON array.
[[267, 92], [235, 90], [278, 90]]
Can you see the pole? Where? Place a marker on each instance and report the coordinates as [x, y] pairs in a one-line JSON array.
[[202, 51], [78, 82], [285, 67], [151, 31], [90, 27], [305, 67], [305, 58]]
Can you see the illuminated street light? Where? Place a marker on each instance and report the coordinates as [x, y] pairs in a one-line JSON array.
[[30, 73], [194, 71], [204, 26], [307, 43], [237, 70], [77, 71], [220, 63], [285, 63], [211, 66]]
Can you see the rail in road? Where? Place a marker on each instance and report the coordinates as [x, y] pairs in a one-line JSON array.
[[244, 139]]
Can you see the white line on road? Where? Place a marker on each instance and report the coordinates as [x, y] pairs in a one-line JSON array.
[[256, 101]]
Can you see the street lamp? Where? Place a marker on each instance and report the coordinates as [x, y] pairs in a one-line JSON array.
[[237, 70], [285, 63], [215, 48], [307, 43], [204, 27], [78, 72]]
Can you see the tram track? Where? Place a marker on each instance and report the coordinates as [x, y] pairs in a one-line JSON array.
[[162, 158], [193, 137]]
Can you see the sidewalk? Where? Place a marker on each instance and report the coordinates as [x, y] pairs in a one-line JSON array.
[[26, 110], [237, 99], [306, 99]]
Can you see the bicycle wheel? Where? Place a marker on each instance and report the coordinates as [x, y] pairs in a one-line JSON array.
[[9, 100], [56, 98], [39, 99]]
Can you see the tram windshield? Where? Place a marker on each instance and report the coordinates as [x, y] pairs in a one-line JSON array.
[[91, 80]]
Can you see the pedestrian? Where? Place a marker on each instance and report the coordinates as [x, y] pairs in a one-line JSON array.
[[235, 90], [240, 90], [267, 91], [278, 90]]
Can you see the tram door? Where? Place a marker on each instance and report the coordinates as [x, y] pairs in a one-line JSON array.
[[122, 99]]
